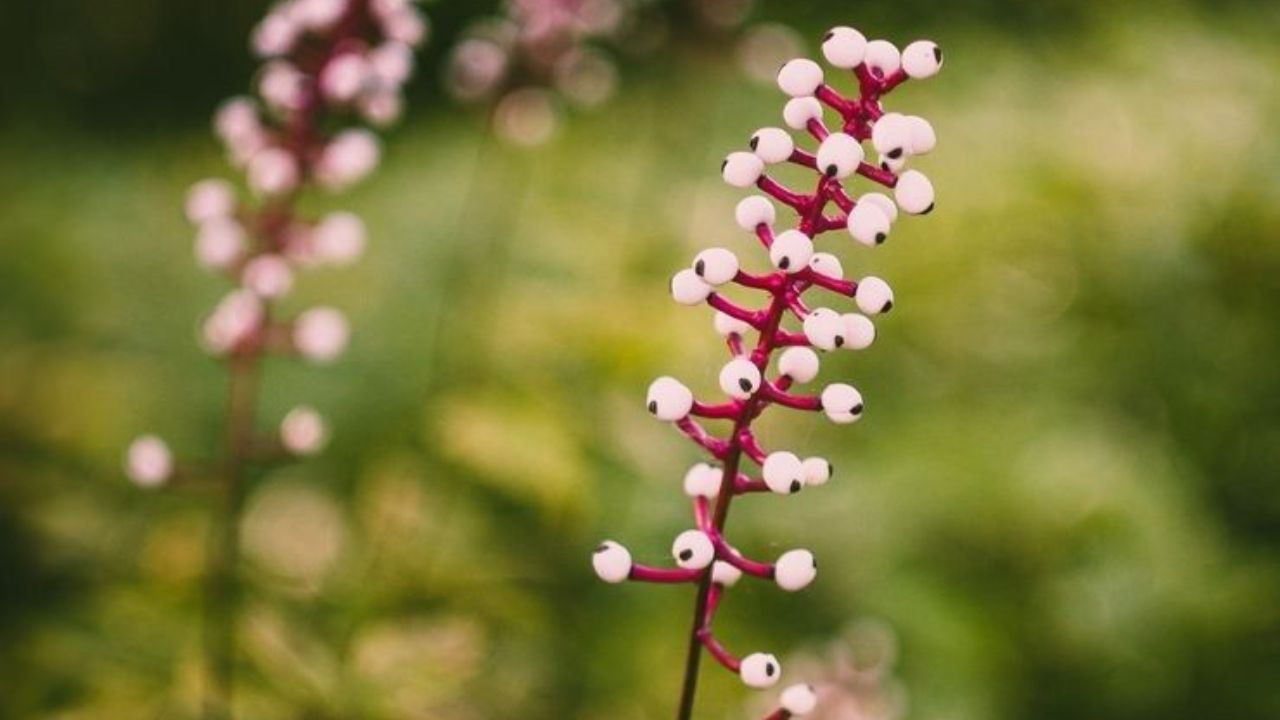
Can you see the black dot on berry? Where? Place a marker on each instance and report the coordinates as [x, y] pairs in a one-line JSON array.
[[795, 486], [745, 384], [937, 54], [880, 238], [699, 267], [653, 407], [895, 153], [686, 555], [784, 263]]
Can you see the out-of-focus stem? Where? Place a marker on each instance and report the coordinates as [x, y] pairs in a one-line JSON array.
[[222, 591]]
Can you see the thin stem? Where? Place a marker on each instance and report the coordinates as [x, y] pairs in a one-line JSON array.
[[732, 460], [222, 589]]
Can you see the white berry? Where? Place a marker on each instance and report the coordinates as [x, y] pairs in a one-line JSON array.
[[825, 329], [882, 58], [722, 573], [868, 224], [914, 193], [716, 266], [612, 562], [669, 399], [839, 155], [740, 378], [791, 251], [799, 700], [921, 138], [783, 472], [891, 135], [844, 47], [760, 670], [772, 145], [817, 471], [800, 77], [693, 550], [922, 59], [799, 111], [874, 296], [703, 480], [801, 364], [842, 403], [754, 211], [826, 264], [689, 289], [860, 332], [795, 570], [742, 169], [882, 201]]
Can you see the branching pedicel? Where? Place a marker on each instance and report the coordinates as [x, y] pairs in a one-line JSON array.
[[327, 62], [703, 555]]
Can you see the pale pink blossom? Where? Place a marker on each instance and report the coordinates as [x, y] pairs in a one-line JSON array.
[[275, 35], [268, 275], [303, 431], [391, 63], [321, 334], [339, 238], [220, 242], [347, 159], [236, 318], [282, 86], [209, 200], [273, 171], [148, 462], [344, 77]]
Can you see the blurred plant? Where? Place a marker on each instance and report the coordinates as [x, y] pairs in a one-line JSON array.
[[703, 555], [853, 680], [328, 62], [514, 60]]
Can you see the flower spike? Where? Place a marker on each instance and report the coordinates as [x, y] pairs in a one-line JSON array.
[[849, 137]]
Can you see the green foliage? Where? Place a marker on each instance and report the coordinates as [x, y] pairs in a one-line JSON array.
[[1065, 496]]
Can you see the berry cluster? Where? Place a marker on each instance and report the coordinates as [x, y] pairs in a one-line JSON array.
[[327, 62], [703, 555], [517, 59]]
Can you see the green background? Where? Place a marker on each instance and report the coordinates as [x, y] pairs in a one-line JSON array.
[[1063, 502]]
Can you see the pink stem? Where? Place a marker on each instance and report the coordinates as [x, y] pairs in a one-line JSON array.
[[827, 94], [726, 552], [796, 402], [696, 433], [754, 318], [718, 651], [666, 576], [781, 193], [751, 447], [880, 175], [723, 411], [847, 288], [757, 282]]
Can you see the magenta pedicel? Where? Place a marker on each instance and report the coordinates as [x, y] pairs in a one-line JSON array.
[[775, 347]]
